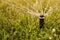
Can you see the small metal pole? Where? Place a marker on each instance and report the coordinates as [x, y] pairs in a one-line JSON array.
[[41, 21]]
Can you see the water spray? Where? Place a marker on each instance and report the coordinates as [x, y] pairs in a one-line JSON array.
[[39, 15]]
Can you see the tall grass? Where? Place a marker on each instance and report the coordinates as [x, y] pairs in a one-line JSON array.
[[18, 20]]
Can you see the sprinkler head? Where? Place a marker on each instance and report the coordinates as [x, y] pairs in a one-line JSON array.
[[41, 21], [41, 16]]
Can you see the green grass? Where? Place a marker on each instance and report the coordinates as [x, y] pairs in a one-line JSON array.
[[18, 25]]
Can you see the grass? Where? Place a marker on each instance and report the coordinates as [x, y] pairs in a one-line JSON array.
[[16, 24]]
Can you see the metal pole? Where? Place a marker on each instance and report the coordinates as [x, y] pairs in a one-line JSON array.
[[41, 21]]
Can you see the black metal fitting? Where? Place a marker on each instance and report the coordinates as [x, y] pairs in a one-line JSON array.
[[41, 21]]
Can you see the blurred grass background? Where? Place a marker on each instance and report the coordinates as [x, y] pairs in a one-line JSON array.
[[18, 25]]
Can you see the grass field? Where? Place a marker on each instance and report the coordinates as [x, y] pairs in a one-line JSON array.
[[17, 24]]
